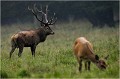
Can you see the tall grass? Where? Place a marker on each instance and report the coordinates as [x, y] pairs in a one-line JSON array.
[[54, 58]]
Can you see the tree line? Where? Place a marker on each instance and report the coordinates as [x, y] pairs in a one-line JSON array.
[[98, 13]]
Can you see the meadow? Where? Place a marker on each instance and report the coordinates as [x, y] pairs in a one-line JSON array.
[[54, 57]]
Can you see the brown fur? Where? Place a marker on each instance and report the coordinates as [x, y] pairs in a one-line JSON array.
[[30, 38], [83, 50]]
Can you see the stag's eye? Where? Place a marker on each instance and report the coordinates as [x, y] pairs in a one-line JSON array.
[[47, 28]]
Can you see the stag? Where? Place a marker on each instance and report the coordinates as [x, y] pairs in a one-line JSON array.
[[31, 38]]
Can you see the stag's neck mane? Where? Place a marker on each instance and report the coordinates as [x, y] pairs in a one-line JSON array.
[[41, 30], [41, 33]]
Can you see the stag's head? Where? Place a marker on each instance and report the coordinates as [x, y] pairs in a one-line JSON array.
[[45, 24]]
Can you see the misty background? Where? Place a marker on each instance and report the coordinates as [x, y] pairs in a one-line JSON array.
[[98, 13]]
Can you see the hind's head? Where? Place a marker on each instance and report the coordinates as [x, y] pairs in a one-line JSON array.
[[101, 63]]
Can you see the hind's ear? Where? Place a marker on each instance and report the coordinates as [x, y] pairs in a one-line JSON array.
[[96, 57], [106, 57]]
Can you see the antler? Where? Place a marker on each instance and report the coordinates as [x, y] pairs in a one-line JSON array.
[[44, 13], [51, 22], [33, 11]]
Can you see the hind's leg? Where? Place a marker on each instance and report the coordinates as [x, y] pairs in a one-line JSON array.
[[89, 65], [80, 65], [12, 50], [86, 65]]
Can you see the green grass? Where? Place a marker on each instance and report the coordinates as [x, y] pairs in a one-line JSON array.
[[55, 58]]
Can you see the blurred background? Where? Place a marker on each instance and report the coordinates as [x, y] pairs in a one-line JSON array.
[[98, 13]]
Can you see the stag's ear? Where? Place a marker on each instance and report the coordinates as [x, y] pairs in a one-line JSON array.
[[106, 57], [42, 25], [96, 57]]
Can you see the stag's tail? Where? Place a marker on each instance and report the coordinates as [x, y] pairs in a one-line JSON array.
[[14, 40]]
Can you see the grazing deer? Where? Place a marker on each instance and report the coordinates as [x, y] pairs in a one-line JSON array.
[[83, 50], [31, 38]]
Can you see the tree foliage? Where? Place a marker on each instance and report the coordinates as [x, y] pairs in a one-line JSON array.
[[97, 12]]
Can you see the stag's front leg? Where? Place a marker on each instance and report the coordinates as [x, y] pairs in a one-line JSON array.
[[33, 50]]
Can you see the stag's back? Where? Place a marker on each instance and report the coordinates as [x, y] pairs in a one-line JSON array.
[[25, 37]]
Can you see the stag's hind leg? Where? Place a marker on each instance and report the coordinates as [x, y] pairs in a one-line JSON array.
[[20, 50], [12, 50]]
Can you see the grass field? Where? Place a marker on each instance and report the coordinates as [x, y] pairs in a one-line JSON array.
[[54, 58]]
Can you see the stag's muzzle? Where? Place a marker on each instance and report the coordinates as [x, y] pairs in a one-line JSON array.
[[52, 33]]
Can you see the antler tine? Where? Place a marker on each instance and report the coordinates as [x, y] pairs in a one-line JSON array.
[[34, 7], [53, 16], [54, 21], [40, 11], [45, 14], [41, 7], [42, 21], [51, 20], [46, 9], [29, 8], [35, 14]]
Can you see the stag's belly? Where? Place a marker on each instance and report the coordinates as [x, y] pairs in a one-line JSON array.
[[28, 45], [30, 42]]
